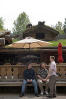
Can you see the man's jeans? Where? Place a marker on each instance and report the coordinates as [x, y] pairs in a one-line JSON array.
[[34, 83]]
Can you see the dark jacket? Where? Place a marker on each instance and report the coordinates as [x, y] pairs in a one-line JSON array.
[[29, 74]]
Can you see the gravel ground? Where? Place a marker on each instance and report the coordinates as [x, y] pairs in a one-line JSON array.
[[28, 96]]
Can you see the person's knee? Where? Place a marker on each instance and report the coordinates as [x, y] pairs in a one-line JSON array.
[[40, 84], [34, 82], [24, 82], [39, 81]]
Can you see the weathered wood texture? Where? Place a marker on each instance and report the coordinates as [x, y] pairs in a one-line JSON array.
[[13, 74], [6, 35], [40, 31]]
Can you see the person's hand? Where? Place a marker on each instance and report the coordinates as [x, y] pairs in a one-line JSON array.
[[29, 80], [39, 77], [44, 80]]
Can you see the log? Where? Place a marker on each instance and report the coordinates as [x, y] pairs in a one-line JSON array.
[[2, 42]]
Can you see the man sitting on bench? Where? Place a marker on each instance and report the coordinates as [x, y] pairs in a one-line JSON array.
[[29, 77], [42, 74]]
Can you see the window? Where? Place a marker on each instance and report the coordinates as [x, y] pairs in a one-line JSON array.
[[40, 36]]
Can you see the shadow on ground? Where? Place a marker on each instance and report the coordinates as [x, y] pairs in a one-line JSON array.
[[29, 90]]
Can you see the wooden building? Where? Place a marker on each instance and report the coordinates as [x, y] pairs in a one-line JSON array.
[[15, 55], [40, 31], [5, 38], [12, 65]]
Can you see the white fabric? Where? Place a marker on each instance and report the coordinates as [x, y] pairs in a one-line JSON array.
[[29, 42], [52, 69]]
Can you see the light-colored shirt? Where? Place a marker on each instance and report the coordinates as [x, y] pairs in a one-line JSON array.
[[52, 69]]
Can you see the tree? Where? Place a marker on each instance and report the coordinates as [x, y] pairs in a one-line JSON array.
[[20, 24], [59, 27], [1, 23], [65, 26]]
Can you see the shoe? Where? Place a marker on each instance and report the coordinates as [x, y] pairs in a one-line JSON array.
[[46, 93], [54, 96], [49, 96], [37, 95], [21, 95], [41, 93]]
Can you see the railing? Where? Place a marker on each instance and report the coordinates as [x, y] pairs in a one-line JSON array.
[[15, 72]]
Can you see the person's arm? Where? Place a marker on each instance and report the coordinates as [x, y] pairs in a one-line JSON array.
[[47, 71], [39, 77], [47, 76], [50, 71], [25, 75], [33, 76]]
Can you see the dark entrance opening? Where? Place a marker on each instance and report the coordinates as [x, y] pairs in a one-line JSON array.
[[40, 36]]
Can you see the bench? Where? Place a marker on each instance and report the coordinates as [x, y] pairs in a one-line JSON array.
[[19, 83], [12, 75]]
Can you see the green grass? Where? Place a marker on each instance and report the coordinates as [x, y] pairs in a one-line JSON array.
[[15, 40], [55, 43]]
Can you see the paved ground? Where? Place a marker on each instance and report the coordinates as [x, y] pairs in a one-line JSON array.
[[13, 93], [16, 96]]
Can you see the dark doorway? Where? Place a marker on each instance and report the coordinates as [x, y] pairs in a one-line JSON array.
[[40, 36]]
